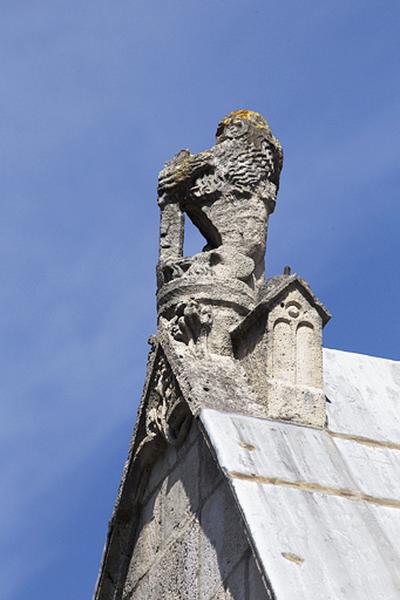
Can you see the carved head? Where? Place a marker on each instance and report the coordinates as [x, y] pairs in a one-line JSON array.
[[239, 122], [249, 126]]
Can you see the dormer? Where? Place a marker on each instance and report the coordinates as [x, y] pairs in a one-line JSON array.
[[280, 345]]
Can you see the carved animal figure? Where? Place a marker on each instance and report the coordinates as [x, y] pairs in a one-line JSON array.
[[229, 191]]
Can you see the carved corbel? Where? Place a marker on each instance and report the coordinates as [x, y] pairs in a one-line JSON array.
[[168, 416], [191, 324]]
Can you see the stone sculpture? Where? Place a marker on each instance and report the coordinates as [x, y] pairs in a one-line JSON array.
[[228, 192], [167, 418], [227, 338], [217, 302]]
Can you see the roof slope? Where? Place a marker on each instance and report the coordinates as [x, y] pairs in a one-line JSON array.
[[364, 394], [322, 508]]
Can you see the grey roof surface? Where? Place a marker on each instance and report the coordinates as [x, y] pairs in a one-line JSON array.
[[322, 508]]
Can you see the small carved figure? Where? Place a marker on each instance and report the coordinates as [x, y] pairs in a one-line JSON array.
[[168, 417], [191, 323]]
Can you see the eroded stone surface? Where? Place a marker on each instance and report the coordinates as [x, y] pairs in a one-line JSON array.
[[280, 346], [190, 542], [217, 303], [228, 192], [226, 338]]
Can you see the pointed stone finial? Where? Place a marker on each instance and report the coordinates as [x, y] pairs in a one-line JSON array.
[[287, 270]]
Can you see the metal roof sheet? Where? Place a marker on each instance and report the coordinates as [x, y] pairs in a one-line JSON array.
[[322, 508]]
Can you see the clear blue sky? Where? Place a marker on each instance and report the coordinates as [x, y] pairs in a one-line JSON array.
[[95, 96]]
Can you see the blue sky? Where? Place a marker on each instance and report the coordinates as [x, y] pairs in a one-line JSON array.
[[95, 96]]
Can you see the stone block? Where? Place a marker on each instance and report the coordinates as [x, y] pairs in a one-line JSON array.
[[235, 587], [210, 474], [191, 437], [174, 575], [142, 590], [222, 542], [178, 569], [296, 403], [168, 460], [180, 494], [148, 541], [160, 469]]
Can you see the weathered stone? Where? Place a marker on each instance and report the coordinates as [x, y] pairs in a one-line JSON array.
[[226, 339], [222, 544], [174, 576], [228, 192], [181, 494], [170, 499], [161, 468], [177, 571], [148, 542], [189, 545], [210, 475], [280, 347], [236, 585]]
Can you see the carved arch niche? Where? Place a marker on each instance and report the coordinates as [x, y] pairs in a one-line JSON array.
[[306, 354], [295, 348], [283, 350]]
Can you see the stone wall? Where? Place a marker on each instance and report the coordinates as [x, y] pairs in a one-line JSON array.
[[190, 541]]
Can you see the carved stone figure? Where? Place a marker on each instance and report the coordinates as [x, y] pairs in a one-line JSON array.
[[192, 323], [167, 416], [228, 192], [229, 343]]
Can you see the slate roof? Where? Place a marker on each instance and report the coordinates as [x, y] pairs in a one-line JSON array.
[[322, 507]]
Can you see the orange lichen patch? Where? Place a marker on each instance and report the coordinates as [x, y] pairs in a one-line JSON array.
[[251, 115], [182, 170], [247, 446], [293, 557]]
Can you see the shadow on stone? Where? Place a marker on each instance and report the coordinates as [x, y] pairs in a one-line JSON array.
[[190, 541]]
